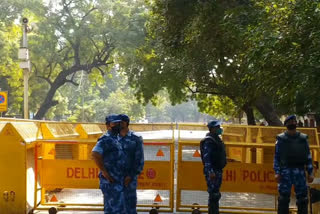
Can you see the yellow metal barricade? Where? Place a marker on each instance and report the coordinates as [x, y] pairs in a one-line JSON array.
[[89, 131], [248, 180], [45, 164], [156, 182], [78, 178], [64, 131], [86, 131], [17, 167]]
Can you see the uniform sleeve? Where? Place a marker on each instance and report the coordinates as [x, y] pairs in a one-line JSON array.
[[309, 161], [99, 146], [276, 161], [207, 154], [139, 158]]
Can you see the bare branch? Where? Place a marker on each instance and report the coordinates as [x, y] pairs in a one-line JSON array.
[[76, 49], [66, 9], [85, 15], [35, 68], [107, 52], [196, 91], [95, 45], [59, 51], [73, 75], [72, 82], [101, 71], [46, 79], [50, 70]]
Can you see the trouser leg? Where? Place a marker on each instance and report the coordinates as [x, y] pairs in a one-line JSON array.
[[302, 204], [214, 192], [283, 204], [113, 198], [214, 202], [284, 188], [301, 190]]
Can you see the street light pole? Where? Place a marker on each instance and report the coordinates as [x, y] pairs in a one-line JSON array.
[[25, 65]]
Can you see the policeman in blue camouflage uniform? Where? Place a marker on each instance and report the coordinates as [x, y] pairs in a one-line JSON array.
[[292, 158], [213, 157], [133, 148], [110, 158]]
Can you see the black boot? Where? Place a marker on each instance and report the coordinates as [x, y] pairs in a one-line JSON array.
[[214, 202], [283, 204], [214, 208], [302, 204]]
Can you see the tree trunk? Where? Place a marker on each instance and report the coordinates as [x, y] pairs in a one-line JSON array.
[[60, 80], [265, 107], [48, 103], [249, 112]]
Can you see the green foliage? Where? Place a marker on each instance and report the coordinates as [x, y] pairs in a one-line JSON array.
[[194, 49], [231, 54], [284, 55], [217, 106], [226, 55], [10, 74]]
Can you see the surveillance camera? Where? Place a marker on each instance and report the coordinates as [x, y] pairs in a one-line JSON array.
[[25, 20]]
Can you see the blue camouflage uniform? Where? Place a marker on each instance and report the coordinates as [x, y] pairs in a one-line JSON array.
[[292, 174], [214, 159], [208, 151], [133, 148], [114, 162]]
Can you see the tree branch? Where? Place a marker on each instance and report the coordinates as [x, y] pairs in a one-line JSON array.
[[46, 79], [72, 82], [101, 71], [85, 15], [66, 9], [50, 70], [196, 91], [35, 68], [95, 45]]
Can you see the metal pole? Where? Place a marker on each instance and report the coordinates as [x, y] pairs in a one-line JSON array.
[[25, 76], [25, 95]]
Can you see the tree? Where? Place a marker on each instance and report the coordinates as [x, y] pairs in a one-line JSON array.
[[77, 36], [196, 50], [284, 55], [63, 46]]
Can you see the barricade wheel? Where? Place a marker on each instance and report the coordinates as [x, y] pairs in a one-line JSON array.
[[31, 211], [53, 210], [195, 206], [196, 211], [153, 211]]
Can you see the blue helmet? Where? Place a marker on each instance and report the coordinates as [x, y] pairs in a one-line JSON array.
[[291, 117], [124, 118], [213, 123], [113, 118]]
